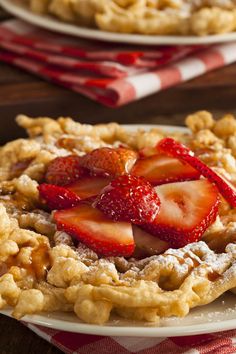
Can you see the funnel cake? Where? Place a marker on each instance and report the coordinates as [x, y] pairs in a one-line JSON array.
[[45, 269], [160, 17]]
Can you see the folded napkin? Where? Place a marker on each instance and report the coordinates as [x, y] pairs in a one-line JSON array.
[[75, 343], [111, 74]]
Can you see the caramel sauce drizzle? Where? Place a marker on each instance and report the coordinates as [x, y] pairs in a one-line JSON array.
[[39, 262], [196, 263], [67, 143], [213, 276]]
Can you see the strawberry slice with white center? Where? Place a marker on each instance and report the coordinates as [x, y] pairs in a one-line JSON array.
[[187, 209], [95, 230], [87, 187], [160, 169], [148, 244], [175, 149], [147, 151]]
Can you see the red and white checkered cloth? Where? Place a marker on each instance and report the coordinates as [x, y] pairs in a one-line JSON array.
[[110, 74], [75, 343]]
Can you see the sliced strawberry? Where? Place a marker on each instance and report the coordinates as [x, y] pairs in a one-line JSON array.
[[64, 170], [87, 187], [109, 161], [147, 151], [173, 148], [95, 230], [147, 243], [187, 209], [129, 198], [57, 197], [159, 169]]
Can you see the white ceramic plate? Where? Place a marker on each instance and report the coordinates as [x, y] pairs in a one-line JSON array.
[[215, 317], [53, 24]]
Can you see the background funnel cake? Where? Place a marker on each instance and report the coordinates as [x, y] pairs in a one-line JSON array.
[[160, 17]]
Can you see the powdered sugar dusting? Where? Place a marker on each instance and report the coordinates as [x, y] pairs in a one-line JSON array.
[[223, 309]]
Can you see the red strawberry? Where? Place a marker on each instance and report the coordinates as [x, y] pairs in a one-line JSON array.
[[147, 243], [147, 151], [108, 161], [87, 187], [187, 209], [90, 226], [64, 170], [57, 197], [129, 198], [173, 148], [159, 169]]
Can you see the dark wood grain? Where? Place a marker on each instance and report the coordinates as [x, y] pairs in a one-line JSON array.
[[15, 338], [3, 14], [24, 93]]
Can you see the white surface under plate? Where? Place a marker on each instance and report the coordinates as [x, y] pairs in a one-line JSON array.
[[51, 23], [215, 317]]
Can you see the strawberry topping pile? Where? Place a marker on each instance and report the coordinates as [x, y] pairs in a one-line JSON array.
[[120, 204]]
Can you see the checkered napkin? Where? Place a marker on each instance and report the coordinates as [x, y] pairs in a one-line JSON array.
[[75, 343], [113, 75]]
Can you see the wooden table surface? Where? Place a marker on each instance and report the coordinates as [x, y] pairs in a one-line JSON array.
[[24, 93], [21, 92]]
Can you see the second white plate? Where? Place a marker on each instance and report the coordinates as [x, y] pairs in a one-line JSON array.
[[50, 23]]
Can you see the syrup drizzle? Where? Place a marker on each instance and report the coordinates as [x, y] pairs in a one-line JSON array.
[[39, 262]]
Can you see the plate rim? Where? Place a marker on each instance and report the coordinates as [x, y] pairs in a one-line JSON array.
[[50, 23], [126, 330]]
